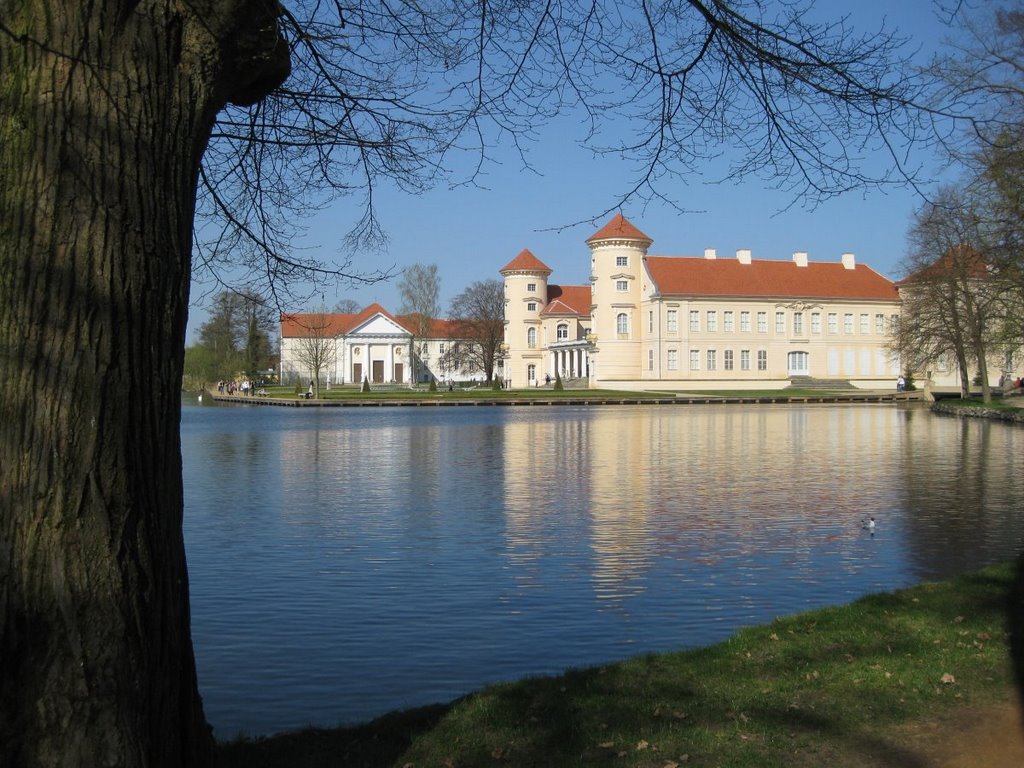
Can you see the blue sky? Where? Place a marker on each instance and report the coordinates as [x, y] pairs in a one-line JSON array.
[[471, 232]]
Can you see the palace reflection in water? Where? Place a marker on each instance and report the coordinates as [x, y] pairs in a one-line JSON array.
[[346, 562]]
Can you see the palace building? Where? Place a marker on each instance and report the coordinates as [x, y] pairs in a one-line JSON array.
[[645, 322], [676, 321], [372, 345]]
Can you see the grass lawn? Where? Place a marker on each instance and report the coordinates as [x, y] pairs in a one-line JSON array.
[[824, 688], [997, 404], [478, 393], [486, 393]]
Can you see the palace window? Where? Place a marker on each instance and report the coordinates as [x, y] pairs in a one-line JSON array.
[[744, 359], [531, 338], [673, 360], [531, 287], [562, 332], [650, 321], [744, 322], [727, 322], [880, 325], [694, 320], [780, 322], [650, 359], [622, 286], [531, 372], [762, 360], [672, 321], [727, 359], [815, 322], [798, 323], [712, 321], [833, 323], [797, 363], [622, 324], [531, 306], [865, 327], [694, 359], [622, 261], [712, 359], [848, 323], [762, 322]]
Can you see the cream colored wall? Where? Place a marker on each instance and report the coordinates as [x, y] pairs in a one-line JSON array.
[[871, 360], [518, 319], [945, 374], [617, 356]]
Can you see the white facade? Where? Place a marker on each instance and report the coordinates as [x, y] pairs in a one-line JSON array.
[[372, 345]]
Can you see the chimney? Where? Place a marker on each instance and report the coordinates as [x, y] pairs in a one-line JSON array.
[[800, 258], [849, 262], [743, 255], [709, 253]]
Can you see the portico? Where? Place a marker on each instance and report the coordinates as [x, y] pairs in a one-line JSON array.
[[570, 360]]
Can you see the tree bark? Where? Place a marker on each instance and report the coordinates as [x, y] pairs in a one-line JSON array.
[[105, 109]]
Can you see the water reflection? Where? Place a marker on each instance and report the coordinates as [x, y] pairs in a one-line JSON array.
[[346, 562]]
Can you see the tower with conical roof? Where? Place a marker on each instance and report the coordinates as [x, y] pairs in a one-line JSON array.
[[617, 251], [526, 294]]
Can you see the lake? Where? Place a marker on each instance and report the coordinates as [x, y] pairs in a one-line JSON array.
[[345, 562]]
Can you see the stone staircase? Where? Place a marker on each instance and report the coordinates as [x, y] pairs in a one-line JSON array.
[[807, 382]]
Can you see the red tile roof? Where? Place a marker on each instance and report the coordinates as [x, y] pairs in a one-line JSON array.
[[297, 326], [568, 300], [959, 261], [439, 328], [340, 324], [526, 262], [619, 228], [687, 276]]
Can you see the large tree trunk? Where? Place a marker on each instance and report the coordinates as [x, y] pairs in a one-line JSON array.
[[105, 109]]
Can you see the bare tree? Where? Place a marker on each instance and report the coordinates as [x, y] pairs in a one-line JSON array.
[[952, 295], [125, 124], [420, 289], [478, 319], [348, 307], [316, 349], [986, 71]]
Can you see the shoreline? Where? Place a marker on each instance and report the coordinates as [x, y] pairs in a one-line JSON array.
[[916, 676], [434, 400]]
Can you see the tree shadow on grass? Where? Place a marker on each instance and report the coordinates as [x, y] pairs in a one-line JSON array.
[[377, 743]]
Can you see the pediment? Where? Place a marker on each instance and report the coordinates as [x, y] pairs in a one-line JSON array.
[[379, 325]]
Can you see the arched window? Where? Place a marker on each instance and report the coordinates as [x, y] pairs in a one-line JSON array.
[[531, 337], [622, 323], [563, 331]]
